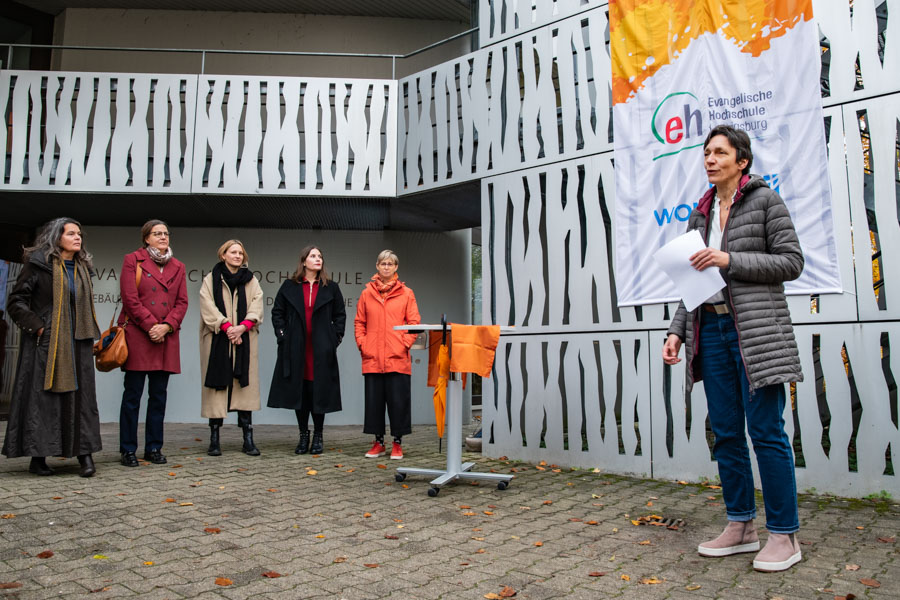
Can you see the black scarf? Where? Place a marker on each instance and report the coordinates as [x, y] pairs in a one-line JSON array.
[[219, 371]]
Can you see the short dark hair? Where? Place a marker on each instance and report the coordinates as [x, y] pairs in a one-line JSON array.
[[147, 227], [738, 139]]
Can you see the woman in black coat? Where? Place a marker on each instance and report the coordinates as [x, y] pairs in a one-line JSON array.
[[54, 401], [309, 318]]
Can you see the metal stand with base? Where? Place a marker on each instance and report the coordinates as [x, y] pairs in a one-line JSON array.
[[456, 469]]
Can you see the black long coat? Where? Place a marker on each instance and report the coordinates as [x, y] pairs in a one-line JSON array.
[[43, 423], [328, 320]]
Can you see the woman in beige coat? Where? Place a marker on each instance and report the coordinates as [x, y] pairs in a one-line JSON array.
[[231, 309]]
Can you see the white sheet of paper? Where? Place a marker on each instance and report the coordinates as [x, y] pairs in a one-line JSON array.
[[693, 285]]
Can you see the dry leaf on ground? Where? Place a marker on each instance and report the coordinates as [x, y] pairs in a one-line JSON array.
[[388, 536], [223, 581], [870, 582], [149, 563], [651, 580], [339, 559], [539, 544], [45, 554], [9, 585], [507, 592], [644, 543], [547, 502], [692, 587], [596, 574], [103, 589], [212, 530], [367, 515], [488, 512], [272, 574], [887, 540], [851, 567], [625, 578], [370, 565], [382, 466], [8, 516], [312, 472], [492, 596]]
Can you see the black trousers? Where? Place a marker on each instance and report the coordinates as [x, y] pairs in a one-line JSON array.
[[306, 408], [131, 406], [391, 391]]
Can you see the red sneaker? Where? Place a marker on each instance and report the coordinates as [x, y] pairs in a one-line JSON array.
[[396, 452], [376, 451]]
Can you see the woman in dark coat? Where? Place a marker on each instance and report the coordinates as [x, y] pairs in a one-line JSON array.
[[309, 319], [154, 300], [54, 402]]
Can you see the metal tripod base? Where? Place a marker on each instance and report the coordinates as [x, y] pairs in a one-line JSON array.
[[456, 469]]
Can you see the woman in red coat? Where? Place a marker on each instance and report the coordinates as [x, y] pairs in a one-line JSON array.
[[154, 299], [386, 366]]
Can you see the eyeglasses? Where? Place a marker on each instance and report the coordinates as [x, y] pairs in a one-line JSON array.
[[386, 264], [159, 234]]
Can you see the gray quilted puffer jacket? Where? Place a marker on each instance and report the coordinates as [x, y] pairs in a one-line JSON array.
[[764, 252]]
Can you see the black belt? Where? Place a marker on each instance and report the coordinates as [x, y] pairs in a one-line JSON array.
[[719, 309]]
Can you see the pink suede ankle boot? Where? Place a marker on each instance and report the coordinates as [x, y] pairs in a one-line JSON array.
[[782, 551], [738, 537]]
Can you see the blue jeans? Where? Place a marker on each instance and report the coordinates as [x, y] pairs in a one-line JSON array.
[[730, 404], [131, 405]]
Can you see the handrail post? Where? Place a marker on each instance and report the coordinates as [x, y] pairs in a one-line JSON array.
[[203, 62], [393, 67]]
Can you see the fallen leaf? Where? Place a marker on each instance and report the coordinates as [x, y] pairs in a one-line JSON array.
[[350, 470], [644, 543], [9, 585], [887, 540], [367, 515], [8, 516], [591, 523], [492, 506], [197, 440], [714, 487], [57, 497], [557, 470], [197, 484], [492, 596], [693, 586], [625, 578], [172, 473], [382, 466], [121, 494], [635, 522], [464, 564], [870, 582], [103, 589], [100, 557], [404, 486], [339, 559], [272, 574], [149, 563], [169, 500], [540, 468], [388, 536], [241, 469], [312, 472], [185, 504], [370, 565], [45, 554], [176, 466], [547, 502], [480, 551], [860, 527], [398, 520], [212, 530], [184, 448], [650, 504], [543, 463], [852, 567], [320, 536], [650, 580], [682, 482], [271, 490], [596, 574], [464, 506], [539, 544], [507, 592], [478, 539], [468, 514], [489, 512], [223, 581]]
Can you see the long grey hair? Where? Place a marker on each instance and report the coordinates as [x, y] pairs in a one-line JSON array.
[[47, 242]]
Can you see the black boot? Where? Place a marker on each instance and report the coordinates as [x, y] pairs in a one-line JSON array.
[[215, 447], [86, 461], [303, 444], [317, 443], [249, 447], [39, 466]]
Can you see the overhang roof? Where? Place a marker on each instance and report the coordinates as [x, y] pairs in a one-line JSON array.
[[441, 10]]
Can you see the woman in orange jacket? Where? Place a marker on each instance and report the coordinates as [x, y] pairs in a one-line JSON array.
[[386, 366]]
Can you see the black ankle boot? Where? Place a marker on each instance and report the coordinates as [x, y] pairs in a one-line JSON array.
[[249, 448], [317, 443], [39, 466], [86, 461], [215, 448], [303, 444]]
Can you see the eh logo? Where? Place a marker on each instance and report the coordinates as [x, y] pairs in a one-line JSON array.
[[677, 120]]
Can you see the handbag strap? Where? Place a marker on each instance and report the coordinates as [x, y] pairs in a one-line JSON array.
[[138, 273]]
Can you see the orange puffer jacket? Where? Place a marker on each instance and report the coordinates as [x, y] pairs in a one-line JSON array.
[[383, 349]]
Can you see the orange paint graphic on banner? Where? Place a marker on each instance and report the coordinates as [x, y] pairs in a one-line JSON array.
[[646, 35]]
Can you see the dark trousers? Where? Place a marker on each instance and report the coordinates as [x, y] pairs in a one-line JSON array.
[[131, 405], [306, 408], [391, 391], [245, 419]]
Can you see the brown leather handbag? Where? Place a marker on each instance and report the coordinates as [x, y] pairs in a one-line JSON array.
[[111, 351]]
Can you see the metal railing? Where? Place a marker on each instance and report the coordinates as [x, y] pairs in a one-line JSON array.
[[204, 52]]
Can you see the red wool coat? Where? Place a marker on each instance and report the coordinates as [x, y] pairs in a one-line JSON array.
[[161, 298]]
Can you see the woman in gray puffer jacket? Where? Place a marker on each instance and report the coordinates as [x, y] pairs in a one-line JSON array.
[[740, 342]]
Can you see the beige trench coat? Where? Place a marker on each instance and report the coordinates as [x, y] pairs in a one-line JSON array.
[[214, 403]]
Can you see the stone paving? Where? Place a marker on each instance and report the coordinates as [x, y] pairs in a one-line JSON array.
[[339, 526]]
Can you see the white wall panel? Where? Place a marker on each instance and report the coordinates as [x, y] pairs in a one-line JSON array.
[[97, 131], [501, 19], [531, 100]]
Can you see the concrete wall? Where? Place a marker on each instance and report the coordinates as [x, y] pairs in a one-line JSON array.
[[249, 31], [435, 266]]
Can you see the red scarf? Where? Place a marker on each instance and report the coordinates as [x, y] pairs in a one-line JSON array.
[[385, 288]]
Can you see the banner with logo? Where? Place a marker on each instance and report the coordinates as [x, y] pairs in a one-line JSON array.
[[681, 67]]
